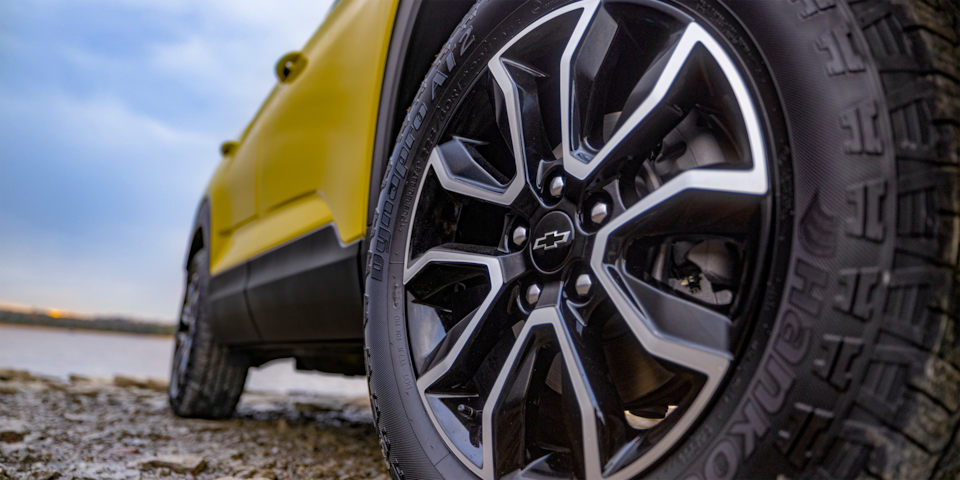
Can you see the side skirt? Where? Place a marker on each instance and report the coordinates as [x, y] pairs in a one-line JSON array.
[[307, 290]]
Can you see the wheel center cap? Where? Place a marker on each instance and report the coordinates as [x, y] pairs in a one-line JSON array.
[[552, 241]]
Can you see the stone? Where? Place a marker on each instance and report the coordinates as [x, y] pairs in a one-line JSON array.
[[12, 430], [79, 417], [157, 384], [84, 390], [320, 405], [11, 374], [54, 383], [135, 381], [126, 381], [125, 451], [177, 463]]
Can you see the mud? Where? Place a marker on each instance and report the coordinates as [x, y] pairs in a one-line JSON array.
[[122, 428]]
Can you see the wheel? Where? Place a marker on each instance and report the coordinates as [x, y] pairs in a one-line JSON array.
[[674, 239], [205, 380]]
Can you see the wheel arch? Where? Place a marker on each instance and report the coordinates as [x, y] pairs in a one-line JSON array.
[[420, 29], [199, 232]]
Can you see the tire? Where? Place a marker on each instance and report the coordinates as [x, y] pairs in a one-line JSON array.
[[206, 380], [844, 352]]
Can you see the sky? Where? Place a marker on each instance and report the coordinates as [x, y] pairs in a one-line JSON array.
[[111, 117]]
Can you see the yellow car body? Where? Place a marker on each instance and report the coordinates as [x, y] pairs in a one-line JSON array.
[[304, 161], [284, 217]]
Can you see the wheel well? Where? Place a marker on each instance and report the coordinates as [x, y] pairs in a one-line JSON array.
[[421, 29], [435, 22], [195, 245]]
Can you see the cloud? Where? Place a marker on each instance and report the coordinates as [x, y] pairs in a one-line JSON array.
[[111, 112]]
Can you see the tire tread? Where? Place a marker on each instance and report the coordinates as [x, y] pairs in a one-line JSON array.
[[915, 45], [214, 380]]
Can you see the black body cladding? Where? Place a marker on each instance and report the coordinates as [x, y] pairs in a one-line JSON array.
[[306, 290]]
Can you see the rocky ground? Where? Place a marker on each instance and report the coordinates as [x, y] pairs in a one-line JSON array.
[[122, 428]]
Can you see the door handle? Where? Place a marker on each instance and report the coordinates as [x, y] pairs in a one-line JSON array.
[[290, 66], [228, 148]]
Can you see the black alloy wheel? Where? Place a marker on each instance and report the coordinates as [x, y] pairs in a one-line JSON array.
[[183, 338], [593, 221], [611, 244]]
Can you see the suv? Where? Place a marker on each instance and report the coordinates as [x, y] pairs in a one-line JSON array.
[[608, 239]]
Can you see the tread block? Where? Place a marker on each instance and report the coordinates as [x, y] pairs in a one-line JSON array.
[[836, 365], [803, 433], [914, 392], [813, 7], [914, 295], [863, 132], [880, 451], [868, 200]]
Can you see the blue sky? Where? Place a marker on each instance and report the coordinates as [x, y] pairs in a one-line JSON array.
[[111, 115]]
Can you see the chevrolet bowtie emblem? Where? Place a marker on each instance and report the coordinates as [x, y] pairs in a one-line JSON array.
[[551, 240]]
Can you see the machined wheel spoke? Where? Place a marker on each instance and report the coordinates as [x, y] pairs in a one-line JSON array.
[[500, 271], [626, 293], [653, 108], [647, 311], [448, 368], [658, 102], [462, 163], [533, 136], [750, 182], [678, 319], [457, 163], [591, 401]]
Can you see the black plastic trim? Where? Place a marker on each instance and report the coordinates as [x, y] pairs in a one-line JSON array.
[[306, 290], [228, 309]]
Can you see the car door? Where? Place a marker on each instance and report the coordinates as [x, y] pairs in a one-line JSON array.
[[316, 152], [233, 200]]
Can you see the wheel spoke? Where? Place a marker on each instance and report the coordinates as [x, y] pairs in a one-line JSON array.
[[753, 182], [502, 414], [644, 105], [463, 163], [677, 319], [534, 138], [501, 269], [455, 359], [657, 103]]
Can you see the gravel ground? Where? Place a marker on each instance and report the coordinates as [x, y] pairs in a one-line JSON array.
[[122, 428]]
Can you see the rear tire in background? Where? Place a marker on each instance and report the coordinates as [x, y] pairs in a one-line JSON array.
[[205, 379], [833, 282]]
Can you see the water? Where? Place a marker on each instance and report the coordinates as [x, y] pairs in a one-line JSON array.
[[60, 352]]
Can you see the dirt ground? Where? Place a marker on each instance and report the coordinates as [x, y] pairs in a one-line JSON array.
[[123, 429]]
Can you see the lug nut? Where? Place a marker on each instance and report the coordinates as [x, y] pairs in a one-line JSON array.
[[533, 294], [519, 236], [583, 284], [599, 212], [556, 186]]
